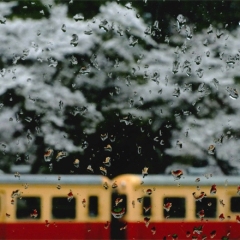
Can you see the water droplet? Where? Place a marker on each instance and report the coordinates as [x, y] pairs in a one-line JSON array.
[[221, 217], [105, 185], [103, 25], [176, 92], [199, 72], [58, 186], [50, 167], [90, 169], [2, 72], [47, 224], [200, 196], [208, 53], [221, 202], [180, 21], [167, 206], [78, 17], [61, 155], [2, 20], [34, 213], [210, 29], [106, 225], [188, 32], [108, 148], [28, 119], [103, 171], [112, 138], [148, 30], [114, 185], [175, 67], [198, 229], [174, 236], [215, 83], [197, 180], [133, 41], [70, 196], [146, 209], [52, 62], [201, 214], [188, 234], [146, 221], [74, 41], [177, 174], [8, 215], [213, 234], [211, 149], [233, 93], [153, 230], [107, 162], [17, 174], [88, 32], [145, 171], [149, 191], [104, 136], [84, 202], [198, 60], [76, 163], [64, 28], [128, 5]]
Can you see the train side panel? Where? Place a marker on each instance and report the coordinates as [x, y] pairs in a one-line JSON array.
[[78, 209]]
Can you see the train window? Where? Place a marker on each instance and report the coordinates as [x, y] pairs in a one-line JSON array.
[[178, 208], [28, 207], [235, 204], [147, 206], [209, 205], [62, 208], [93, 206]]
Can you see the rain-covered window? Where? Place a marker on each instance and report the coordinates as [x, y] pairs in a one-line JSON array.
[[113, 87], [146, 206], [28, 207], [93, 206], [235, 204], [63, 209], [207, 208], [178, 207]]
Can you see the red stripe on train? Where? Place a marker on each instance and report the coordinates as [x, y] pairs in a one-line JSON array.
[[54, 231], [167, 230]]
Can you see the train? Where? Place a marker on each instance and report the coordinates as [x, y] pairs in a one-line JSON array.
[[126, 207]]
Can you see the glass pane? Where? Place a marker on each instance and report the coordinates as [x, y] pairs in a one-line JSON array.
[[178, 209], [93, 206], [147, 206], [235, 204], [209, 205], [62, 208], [28, 207]]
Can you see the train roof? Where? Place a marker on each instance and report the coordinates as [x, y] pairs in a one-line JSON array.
[[53, 179], [165, 180], [156, 180]]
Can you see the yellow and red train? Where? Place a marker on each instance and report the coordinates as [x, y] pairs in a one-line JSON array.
[[127, 207]]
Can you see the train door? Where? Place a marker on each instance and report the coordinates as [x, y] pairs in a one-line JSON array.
[[118, 210]]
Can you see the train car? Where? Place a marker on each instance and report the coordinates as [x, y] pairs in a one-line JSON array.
[[53, 207], [176, 207]]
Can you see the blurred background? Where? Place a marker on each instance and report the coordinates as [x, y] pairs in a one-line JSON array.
[[113, 87]]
